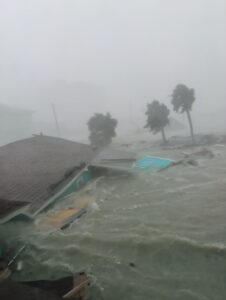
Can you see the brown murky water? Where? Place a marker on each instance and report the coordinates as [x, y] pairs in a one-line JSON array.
[[148, 236]]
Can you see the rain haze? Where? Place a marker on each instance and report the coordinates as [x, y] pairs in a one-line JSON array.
[[112, 149], [111, 56]]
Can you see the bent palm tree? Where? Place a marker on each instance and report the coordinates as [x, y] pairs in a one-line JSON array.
[[182, 100]]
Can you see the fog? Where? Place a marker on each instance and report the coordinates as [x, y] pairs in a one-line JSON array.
[[99, 56]]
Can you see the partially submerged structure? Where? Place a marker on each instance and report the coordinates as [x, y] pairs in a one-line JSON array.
[[71, 287], [37, 171], [115, 160], [62, 217]]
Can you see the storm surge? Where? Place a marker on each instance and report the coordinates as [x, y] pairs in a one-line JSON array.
[[148, 236]]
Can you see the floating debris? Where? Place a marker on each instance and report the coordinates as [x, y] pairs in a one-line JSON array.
[[64, 216]]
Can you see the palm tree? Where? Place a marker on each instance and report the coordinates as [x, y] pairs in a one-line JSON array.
[[182, 100], [102, 129], [157, 118]]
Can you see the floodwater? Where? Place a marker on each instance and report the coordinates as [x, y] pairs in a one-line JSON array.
[[159, 236]]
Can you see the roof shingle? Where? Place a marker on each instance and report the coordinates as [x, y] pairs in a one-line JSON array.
[[30, 169]]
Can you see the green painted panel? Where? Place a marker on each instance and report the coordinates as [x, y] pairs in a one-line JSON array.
[[83, 179]]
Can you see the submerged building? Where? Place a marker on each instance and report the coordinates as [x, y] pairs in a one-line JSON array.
[[36, 171]]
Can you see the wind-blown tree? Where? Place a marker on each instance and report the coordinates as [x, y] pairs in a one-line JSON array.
[[102, 129], [157, 118], [182, 100]]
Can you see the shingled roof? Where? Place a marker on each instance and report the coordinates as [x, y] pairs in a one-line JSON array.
[[7, 207], [31, 169]]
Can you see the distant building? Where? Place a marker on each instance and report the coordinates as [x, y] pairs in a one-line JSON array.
[[15, 124]]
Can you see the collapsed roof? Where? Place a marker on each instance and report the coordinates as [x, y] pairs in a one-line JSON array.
[[114, 159], [31, 170], [36, 171]]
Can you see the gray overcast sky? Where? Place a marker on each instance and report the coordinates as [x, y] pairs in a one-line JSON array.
[[90, 55]]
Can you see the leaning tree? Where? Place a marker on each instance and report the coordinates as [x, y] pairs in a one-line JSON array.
[[102, 129], [182, 100], [157, 118]]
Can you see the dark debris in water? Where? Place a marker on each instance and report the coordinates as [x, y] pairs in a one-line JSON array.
[[132, 265]]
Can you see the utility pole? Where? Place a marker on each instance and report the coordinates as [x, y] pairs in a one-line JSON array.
[[56, 120]]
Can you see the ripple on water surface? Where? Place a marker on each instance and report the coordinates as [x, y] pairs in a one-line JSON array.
[[149, 236]]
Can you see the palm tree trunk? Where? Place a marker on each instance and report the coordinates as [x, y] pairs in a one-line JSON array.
[[191, 126], [163, 136]]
